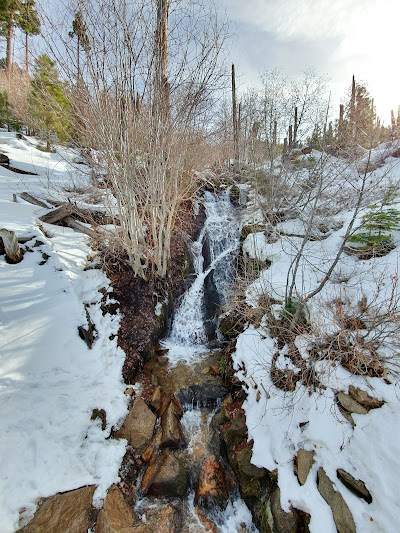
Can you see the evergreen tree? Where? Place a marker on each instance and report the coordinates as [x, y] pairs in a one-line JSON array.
[[361, 118], [9, 13], [82, 41], [29, 23], [47, 102]]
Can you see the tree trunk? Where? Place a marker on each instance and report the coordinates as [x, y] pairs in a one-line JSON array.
[[161, 50], [26, 53], [295, 128], [9, 46], [11, 246], [234, 118]]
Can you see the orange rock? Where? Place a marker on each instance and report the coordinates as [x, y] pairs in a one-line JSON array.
[[213, 487]]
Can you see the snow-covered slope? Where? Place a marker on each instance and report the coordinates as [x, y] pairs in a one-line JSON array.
[[282, 422], [49, 379]]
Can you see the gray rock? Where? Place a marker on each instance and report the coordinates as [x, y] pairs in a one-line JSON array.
[[206, 395], [68, 512], [283, 522], [243, 458], [350, 404], [356, 486], [341, 513], [138, 426], [364, 398], [305, 461]]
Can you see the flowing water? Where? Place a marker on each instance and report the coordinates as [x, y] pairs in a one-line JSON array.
[[189, 359]]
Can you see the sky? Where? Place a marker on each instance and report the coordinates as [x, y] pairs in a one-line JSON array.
[[338, 38]]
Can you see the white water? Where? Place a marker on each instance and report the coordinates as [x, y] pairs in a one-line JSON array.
[[188, 339]]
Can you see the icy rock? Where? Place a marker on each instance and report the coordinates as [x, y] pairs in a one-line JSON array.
[[364, 398], [116, 514], [305, 461], [68, 512], [138, 426], [341, 513], [348, 403]]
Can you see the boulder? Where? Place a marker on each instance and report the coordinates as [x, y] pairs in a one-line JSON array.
[[172, 436], [364, 398], [356, 486], [283, 522], [165, 476], [212, 490], [350, 404], [305, 461], [341, 513], [68, 512], [116, 514], [138, 426], [160, 400]]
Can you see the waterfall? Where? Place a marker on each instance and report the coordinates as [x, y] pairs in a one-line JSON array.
[[188, 338]]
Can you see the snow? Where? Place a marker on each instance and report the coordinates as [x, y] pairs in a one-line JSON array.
[[282, 422], [50, 381]]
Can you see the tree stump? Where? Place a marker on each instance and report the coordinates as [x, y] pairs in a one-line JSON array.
[[11, 246]]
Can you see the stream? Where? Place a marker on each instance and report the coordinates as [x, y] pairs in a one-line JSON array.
[[185, 373]]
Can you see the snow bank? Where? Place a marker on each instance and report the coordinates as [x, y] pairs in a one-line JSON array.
[[49, 380]]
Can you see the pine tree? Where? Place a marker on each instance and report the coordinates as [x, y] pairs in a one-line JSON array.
[[47, 102], [82, 41], [9, 13], [29, 23]]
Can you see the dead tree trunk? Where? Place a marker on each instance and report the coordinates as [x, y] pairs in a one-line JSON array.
[[235, 118], [161, 53], [296, 123], [11, 246]]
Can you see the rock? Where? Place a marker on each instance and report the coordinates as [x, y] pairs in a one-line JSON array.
[[116, 514], [243, 458], [160, 400], [170, 520], [346, 415], [130, 391], [138, 426], [177, 406], [365, 399], [101, 415], [68, 512], [235, 431], [341, 513], [348, 403], [165, 476], [283, 522], [356, 486], [208, 524], [305, 461], [172, 436], [206, 395], [212, 490]]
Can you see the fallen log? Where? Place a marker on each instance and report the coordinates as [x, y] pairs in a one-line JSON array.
[[56, 215], [74, 224], [11, 246], [32, 200]]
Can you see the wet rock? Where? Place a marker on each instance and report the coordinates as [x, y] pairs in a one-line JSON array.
[[138, 426], [212, 490], [348, 403], [208, 524], [364, 398], [172, 436], [170, 520], [235, 431], [160, 400], [356, 486], [116, 514], [341, 513], [165, 476], [205, 395], [283, 522], [68, 512], [243, 458], [305, 461]]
